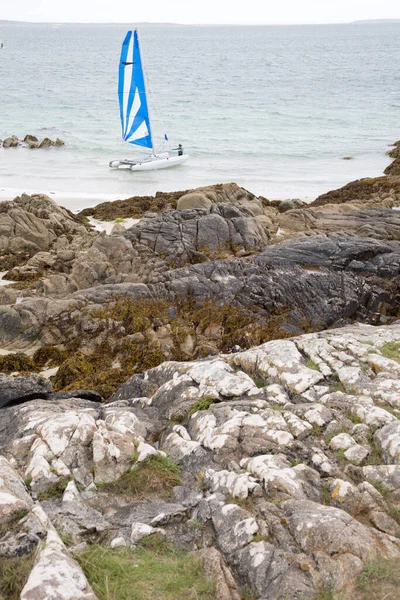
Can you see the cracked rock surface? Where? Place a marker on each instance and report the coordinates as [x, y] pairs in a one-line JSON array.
[[288, 458]]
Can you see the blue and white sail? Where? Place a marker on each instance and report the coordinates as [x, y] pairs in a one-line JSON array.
[[134, 112]]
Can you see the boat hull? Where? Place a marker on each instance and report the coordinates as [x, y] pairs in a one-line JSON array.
[[158, 162]]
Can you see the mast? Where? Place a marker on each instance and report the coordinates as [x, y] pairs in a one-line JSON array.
[[146, 91]]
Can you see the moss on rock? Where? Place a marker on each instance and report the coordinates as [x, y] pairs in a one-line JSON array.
[[49, 356], [16, 362]]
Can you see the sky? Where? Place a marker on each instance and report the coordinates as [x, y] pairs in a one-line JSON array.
[[199, 11]]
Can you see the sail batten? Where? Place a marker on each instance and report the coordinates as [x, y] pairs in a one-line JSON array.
[[134, 112]]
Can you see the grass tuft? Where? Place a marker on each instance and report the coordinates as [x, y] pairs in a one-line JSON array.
[[382, 489], [246, 503], [248, 594], [12, 522], [156, 475], [145, 574], [380, 580], [391, 350], [54, 492], [311, 364], [201, 404], [259, 381], [14, 573]]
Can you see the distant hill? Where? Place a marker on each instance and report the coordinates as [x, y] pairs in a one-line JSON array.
[[367, 21], [2, 22]]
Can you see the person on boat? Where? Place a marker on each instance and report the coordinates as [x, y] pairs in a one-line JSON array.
[[180, 149]]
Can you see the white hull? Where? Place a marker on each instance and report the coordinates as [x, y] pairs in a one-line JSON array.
[[149, 163]]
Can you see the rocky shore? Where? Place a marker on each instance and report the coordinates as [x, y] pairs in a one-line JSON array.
[[213, 392], [30, 141]]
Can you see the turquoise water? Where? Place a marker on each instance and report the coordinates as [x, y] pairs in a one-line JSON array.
[[272, 108]]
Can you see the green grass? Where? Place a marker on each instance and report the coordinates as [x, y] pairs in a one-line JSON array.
[[54, 492], [156, 475], [380, 580], [338, 387], [382, 489], [326, 495], [247, 594], [246, 503], [311, 364], [200, 404], [374, 457], [391, 350], [195, 524], [12, 522], [14, 573], [259, 382], [341, 459], [145, 574], [317, 430], [327, 595], [353, 418]]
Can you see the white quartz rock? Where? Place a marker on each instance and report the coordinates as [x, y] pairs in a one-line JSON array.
[[56, 575], [239, 485], [220, 375], [342, 441], [13, 494], [356, 454], [280, 359]]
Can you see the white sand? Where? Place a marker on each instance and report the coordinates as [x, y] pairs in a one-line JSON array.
[[108, 225]]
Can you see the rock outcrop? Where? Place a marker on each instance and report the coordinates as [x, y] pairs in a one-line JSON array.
[[261, 441], [369, 192], [203, 197], [30, 141], [32, 224]]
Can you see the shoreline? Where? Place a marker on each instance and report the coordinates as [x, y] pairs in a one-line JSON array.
[[276, 182]]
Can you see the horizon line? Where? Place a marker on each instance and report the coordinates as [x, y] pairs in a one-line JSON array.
[[358, 21]]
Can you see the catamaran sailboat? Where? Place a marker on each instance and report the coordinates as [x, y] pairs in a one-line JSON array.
[[134, 112]]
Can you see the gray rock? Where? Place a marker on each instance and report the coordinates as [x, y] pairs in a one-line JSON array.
[[46, 143], [234, 527], [335, 539], [10, 142], [30, 224], [30, 138], [286, 205], [193, 200], [21, 389], [386, 475], [13, 495], [388, 441], [356, 454], [274, 573], [216, 568]]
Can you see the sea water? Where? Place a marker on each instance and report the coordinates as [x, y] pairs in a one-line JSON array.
[[273, 108]]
